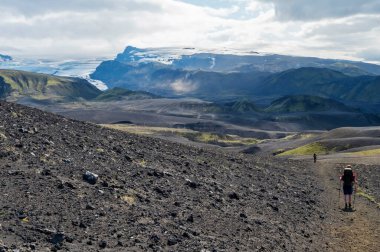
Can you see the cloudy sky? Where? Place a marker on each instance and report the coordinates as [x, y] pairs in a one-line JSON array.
[[348, 29]]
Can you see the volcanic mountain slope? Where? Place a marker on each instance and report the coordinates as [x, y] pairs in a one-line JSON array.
[[168, 81], [151, 195], [306, 103], [218, 76], [349, 139], [117, 94], [322, 82], [230, 60], [15, 85]]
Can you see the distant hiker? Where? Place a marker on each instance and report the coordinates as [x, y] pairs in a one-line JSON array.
[[348, 179], [315, 157]]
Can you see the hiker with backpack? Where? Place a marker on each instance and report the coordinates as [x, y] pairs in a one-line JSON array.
[[315, 157], [348, 178]]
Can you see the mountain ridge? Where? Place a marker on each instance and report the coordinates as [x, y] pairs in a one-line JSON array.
[[15, 84], [213, 76], [4, 58], [323, 82], [116, 94], [227, 60], [306, 103]]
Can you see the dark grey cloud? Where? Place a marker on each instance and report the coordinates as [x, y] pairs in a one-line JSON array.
[[306, 10], [351, 26]]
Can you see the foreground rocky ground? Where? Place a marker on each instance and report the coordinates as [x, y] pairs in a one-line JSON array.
[[151, 195]]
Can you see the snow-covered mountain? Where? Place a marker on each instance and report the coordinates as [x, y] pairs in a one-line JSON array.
[[212, 74], [171, 55], [232, 60], [71, 68]]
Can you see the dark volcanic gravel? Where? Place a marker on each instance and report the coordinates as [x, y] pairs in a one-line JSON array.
[[151, 195]]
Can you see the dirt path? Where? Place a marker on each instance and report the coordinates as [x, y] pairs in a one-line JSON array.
[[358, 230]]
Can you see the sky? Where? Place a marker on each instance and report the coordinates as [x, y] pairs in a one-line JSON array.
[[345, 29]]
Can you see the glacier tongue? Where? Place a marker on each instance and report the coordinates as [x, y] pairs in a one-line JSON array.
[[71, 68], [97, 83]]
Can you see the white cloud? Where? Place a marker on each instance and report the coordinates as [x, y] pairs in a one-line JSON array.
[[370, 54], [222, 12], [256, 6], [183, 86], [95, 28]]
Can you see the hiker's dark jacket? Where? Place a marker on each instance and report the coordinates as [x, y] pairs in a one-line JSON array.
[[348, 179]]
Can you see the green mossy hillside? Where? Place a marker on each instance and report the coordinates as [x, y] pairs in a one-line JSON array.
[[115, 94], [15, 84]]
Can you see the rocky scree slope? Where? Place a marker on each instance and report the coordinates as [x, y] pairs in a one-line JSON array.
[[151, 195]]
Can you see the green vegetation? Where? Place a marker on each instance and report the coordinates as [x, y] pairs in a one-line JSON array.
[[38, 86], [366, 152], [305, 103], [116, 94], [307, 149], [241, 106], [145, 130], [299, 136], [192, 135], [362, 193], [223, 140], [278, 152], [365, 195], [306, 80], [141, 162]]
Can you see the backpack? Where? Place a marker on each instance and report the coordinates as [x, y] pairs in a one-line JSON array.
[[348, 177]]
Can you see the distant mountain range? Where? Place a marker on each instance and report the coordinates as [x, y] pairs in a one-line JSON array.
[[298, 111], [322, 82], [259, 90], [39, 88], [223, 76], [4, 58], [229, 60]]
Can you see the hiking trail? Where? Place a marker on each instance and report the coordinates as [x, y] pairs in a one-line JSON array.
[[356, 230]]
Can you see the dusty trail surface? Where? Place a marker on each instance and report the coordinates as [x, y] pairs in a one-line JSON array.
[[359, 229]]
